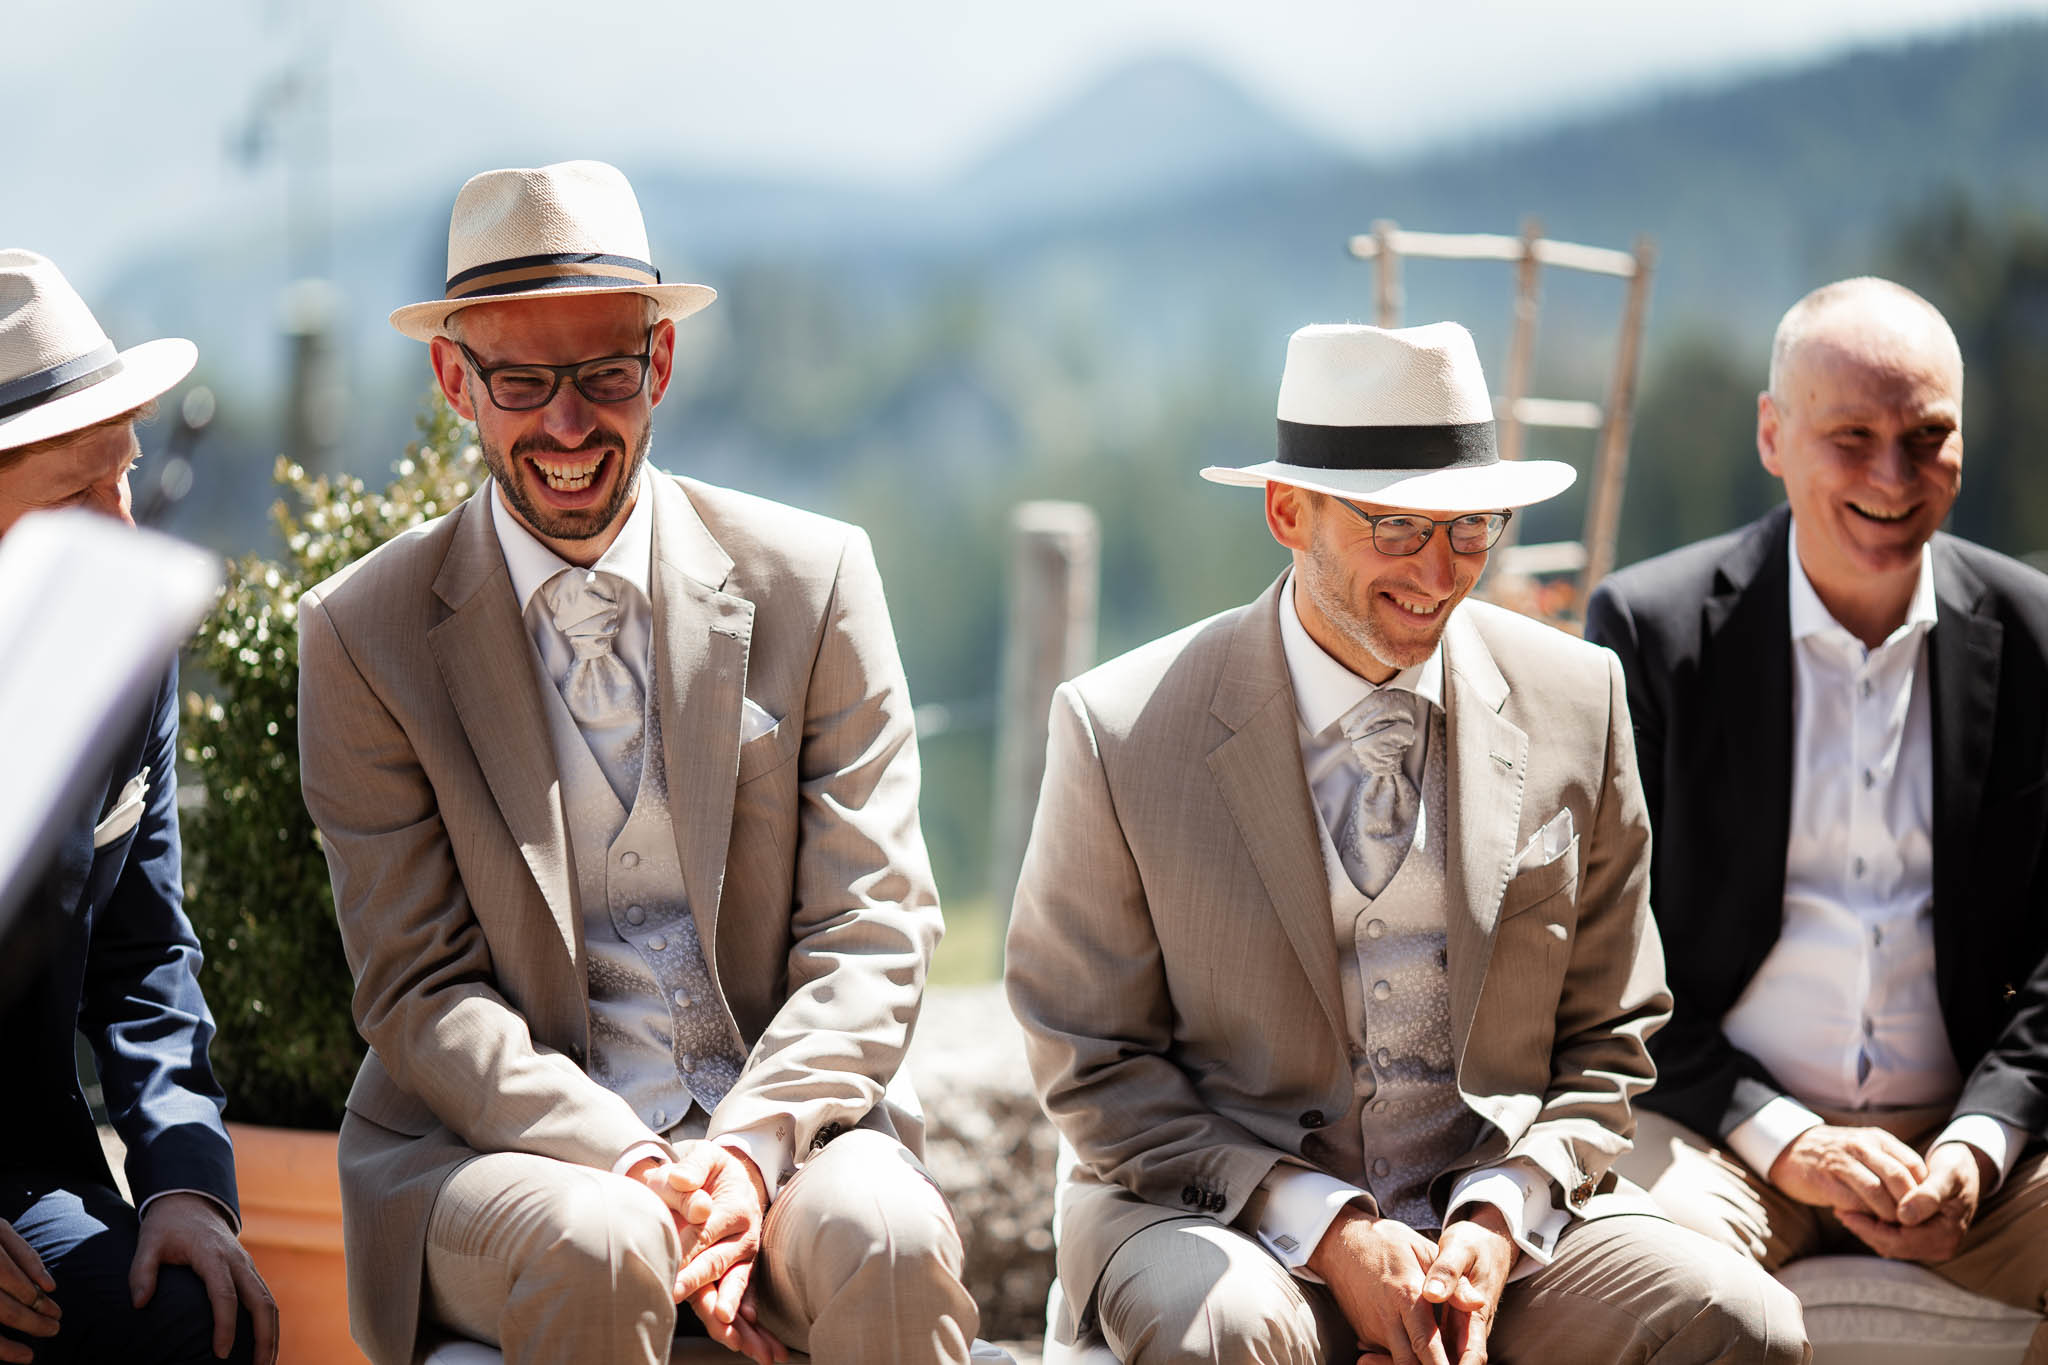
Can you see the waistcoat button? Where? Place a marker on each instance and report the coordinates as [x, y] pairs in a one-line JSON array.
[[1312, 1119]]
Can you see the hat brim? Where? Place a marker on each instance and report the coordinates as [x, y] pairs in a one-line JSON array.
[[425, 321], [147, 373], [1482, 488]]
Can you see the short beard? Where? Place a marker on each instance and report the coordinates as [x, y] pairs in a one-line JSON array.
[[587, 525], [1325, 578]]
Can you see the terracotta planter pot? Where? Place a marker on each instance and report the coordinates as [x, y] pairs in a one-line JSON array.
[[291, 1224]]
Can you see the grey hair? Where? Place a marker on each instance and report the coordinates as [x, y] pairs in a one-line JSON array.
[[1803, 319]]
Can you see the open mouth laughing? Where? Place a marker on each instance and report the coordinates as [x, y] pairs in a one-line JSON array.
[[1880, 515]]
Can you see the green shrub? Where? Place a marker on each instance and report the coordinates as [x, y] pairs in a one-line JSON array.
[[255, 880]]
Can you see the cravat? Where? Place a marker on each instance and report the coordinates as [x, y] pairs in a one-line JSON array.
[[1381, 823], [599, 689]]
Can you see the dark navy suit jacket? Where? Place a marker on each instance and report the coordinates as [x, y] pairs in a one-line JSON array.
[[118, 961], [1705, 639]]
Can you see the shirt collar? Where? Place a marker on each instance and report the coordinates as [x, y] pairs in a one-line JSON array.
[[1810, 615], [630, 557], [1325, 690]]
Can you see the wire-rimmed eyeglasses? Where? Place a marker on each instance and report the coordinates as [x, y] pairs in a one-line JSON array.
[[1405, 533], [522, 388]]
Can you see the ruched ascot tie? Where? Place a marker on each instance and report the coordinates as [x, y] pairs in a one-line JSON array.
[[1381, 824], [599, 689]]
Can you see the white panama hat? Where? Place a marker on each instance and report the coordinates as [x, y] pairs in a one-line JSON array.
[[557, 231], [1396, 417], [58, 371]]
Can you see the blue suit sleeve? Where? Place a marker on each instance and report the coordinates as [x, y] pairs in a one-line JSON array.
[[141, 1006]]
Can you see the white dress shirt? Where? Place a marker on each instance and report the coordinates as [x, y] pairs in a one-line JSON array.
[[1843, 1011], [1300, 1203], [630, 560]]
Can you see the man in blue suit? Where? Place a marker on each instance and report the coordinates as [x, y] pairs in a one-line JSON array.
[[83, 1275]]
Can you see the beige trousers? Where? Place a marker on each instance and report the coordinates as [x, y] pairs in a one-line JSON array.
[[1709, 1189], [1620, 1291], [860, 1261]]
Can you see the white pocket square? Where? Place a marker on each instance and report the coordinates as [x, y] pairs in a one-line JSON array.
[[1548, 844], [127, 811], [754, 720]]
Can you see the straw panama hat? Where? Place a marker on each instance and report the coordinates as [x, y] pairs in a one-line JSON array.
[[1396, 417], [562, 230], [58, 371]]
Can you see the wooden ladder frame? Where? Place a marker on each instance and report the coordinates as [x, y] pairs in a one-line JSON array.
[[1593, 555]]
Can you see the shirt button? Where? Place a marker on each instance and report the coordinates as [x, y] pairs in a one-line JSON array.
[[1381, 990], [1380, 1167], [683, 999], [1375, 928], [1869, 779], [1867, 689], [1877, 937], [1382, 1058], [1869, 1028], [629, 859], [657, 943], [1857, 867], [636, 914]]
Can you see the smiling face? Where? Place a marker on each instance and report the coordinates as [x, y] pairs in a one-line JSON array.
[[89, 470], [1376, 614], [1864, 424], [568, 471]]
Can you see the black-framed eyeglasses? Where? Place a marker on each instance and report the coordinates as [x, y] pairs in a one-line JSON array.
[[522, 388], [1405, 533]]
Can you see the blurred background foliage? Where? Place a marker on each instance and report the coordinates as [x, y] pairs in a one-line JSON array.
[[255, 880]]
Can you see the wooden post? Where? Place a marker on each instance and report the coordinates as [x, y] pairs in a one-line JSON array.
[[1610, 469], [1048, 638], [1386, 273], [1521, 348]]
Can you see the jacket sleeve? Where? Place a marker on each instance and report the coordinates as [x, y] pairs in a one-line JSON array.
[[1614, 995], [425, 998], [865, 916], [141, 1006], [1703, 1081], [1087, 982]]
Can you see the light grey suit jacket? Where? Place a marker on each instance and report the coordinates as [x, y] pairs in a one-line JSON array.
[[428, 769], [1171, 958]]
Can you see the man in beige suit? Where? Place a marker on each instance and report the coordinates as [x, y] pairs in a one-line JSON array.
[[1332, 948], [617, 781]]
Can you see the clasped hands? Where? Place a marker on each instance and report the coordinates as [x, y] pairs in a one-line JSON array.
[[718, 1200], [1897, 1204], [1411, 1300]]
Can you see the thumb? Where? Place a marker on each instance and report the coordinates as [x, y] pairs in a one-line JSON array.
[[1921, 1203], [142, 1272], [1453, 1261]]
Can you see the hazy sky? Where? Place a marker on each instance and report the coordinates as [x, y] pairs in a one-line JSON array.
[[124, 110]]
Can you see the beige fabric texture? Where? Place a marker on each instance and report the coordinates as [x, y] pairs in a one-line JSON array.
[[428, 770], [557, 1262], [1705, 1187], [1170, 954], [1621, 1291]]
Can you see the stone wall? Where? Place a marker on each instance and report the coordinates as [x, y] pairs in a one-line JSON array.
[[991, 1151]]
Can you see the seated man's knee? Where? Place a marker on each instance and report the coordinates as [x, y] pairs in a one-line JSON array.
[[1191, 1293], [1743, 1314], [868, 1192], [603, 1233]]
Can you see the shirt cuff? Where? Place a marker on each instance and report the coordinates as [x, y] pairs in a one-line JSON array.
[[640, 1151], [1995, 1138], [1759, 1138], [769, 1152], [234, 1223], [1300, 1206], [1523, 1196]]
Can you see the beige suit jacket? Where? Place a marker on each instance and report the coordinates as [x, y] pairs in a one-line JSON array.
[[1171, 957], [428, 769]]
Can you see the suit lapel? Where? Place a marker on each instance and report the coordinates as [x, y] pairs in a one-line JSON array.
[[702, 636], [1258, 770], [1964, 652], [1745, 683], [483, 651], [1487, 768]]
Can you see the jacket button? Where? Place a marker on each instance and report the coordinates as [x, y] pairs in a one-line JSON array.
[[2010, 990], [1216, 1202], [1312, 1119], [1189, 1195]]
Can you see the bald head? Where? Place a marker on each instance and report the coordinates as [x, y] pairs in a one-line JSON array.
[[1866, 322]]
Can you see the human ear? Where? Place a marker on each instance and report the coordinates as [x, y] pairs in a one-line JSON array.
[[1288, 515], [452, 375], [1768, 426]]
